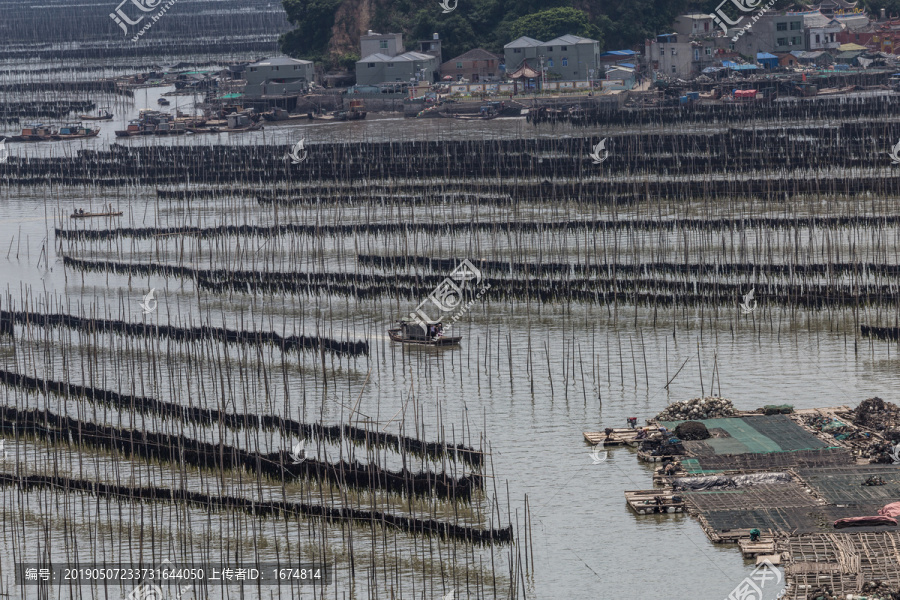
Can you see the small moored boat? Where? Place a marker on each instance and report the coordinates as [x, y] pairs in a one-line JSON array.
[[102, 115], [431, 334], [163, 102]]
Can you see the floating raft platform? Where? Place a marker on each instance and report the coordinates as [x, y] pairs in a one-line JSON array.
[[763, 546], [645, 502]]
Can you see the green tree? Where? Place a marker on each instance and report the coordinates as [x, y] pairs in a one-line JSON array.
[[548, 24], [313, 20]]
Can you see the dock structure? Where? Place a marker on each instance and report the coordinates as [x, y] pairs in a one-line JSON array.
[[800, 482]]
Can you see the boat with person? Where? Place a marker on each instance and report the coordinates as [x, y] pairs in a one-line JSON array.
[[81, 214], [103, 114], [423, 334]]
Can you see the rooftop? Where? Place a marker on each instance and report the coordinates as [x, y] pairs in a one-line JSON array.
[[279, 61], [524, 42]]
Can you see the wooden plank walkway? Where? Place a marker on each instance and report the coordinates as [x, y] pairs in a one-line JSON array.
[[752, 549]]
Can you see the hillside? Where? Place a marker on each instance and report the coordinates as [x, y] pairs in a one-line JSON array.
[[329, 30]]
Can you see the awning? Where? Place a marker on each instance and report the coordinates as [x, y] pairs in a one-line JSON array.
[[524, 71]]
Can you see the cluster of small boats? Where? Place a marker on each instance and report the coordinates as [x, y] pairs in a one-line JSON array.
[[38, 132], [154, 122]]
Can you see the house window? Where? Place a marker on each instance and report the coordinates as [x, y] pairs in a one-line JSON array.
[[565, 62], [796, 41], [564, 48], [696, 53], [673, 69], [389, 65], [549, 48], [550, 63], [459, 65], [383, 44], [673, 52], [517, 51], [781, 41], [662, 51], [817, 38], [706, 26], [795, 26], [253, 69], [731, 46], [781, 27], [709, 50], [370, 65]]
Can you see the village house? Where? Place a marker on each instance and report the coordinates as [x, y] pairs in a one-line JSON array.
[[475, 65], [277, 77]]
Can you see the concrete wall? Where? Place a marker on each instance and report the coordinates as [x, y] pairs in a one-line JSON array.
[[390, 44]]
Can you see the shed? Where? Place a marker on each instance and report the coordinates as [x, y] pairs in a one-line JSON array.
[[766, 60]]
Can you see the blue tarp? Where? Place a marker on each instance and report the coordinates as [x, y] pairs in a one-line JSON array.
[[736, 67], [619, 53], [767, 60]]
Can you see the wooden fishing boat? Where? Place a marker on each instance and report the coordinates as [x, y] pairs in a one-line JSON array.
[[163, 102], [77, 215], [103, 114], [413, 333], [74, 131]]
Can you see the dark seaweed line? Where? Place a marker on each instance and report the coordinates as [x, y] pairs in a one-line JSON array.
[[277, 466], [880, 333], [203, 416], [643, 290], [538, 269], [489, 226], [221, 334], [264, 509]]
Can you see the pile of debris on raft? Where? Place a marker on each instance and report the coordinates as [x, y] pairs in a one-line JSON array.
[[883, 453], [871, 590], [710, 407], [831, 426], [879, 415], [691, 431], [879, 590]]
